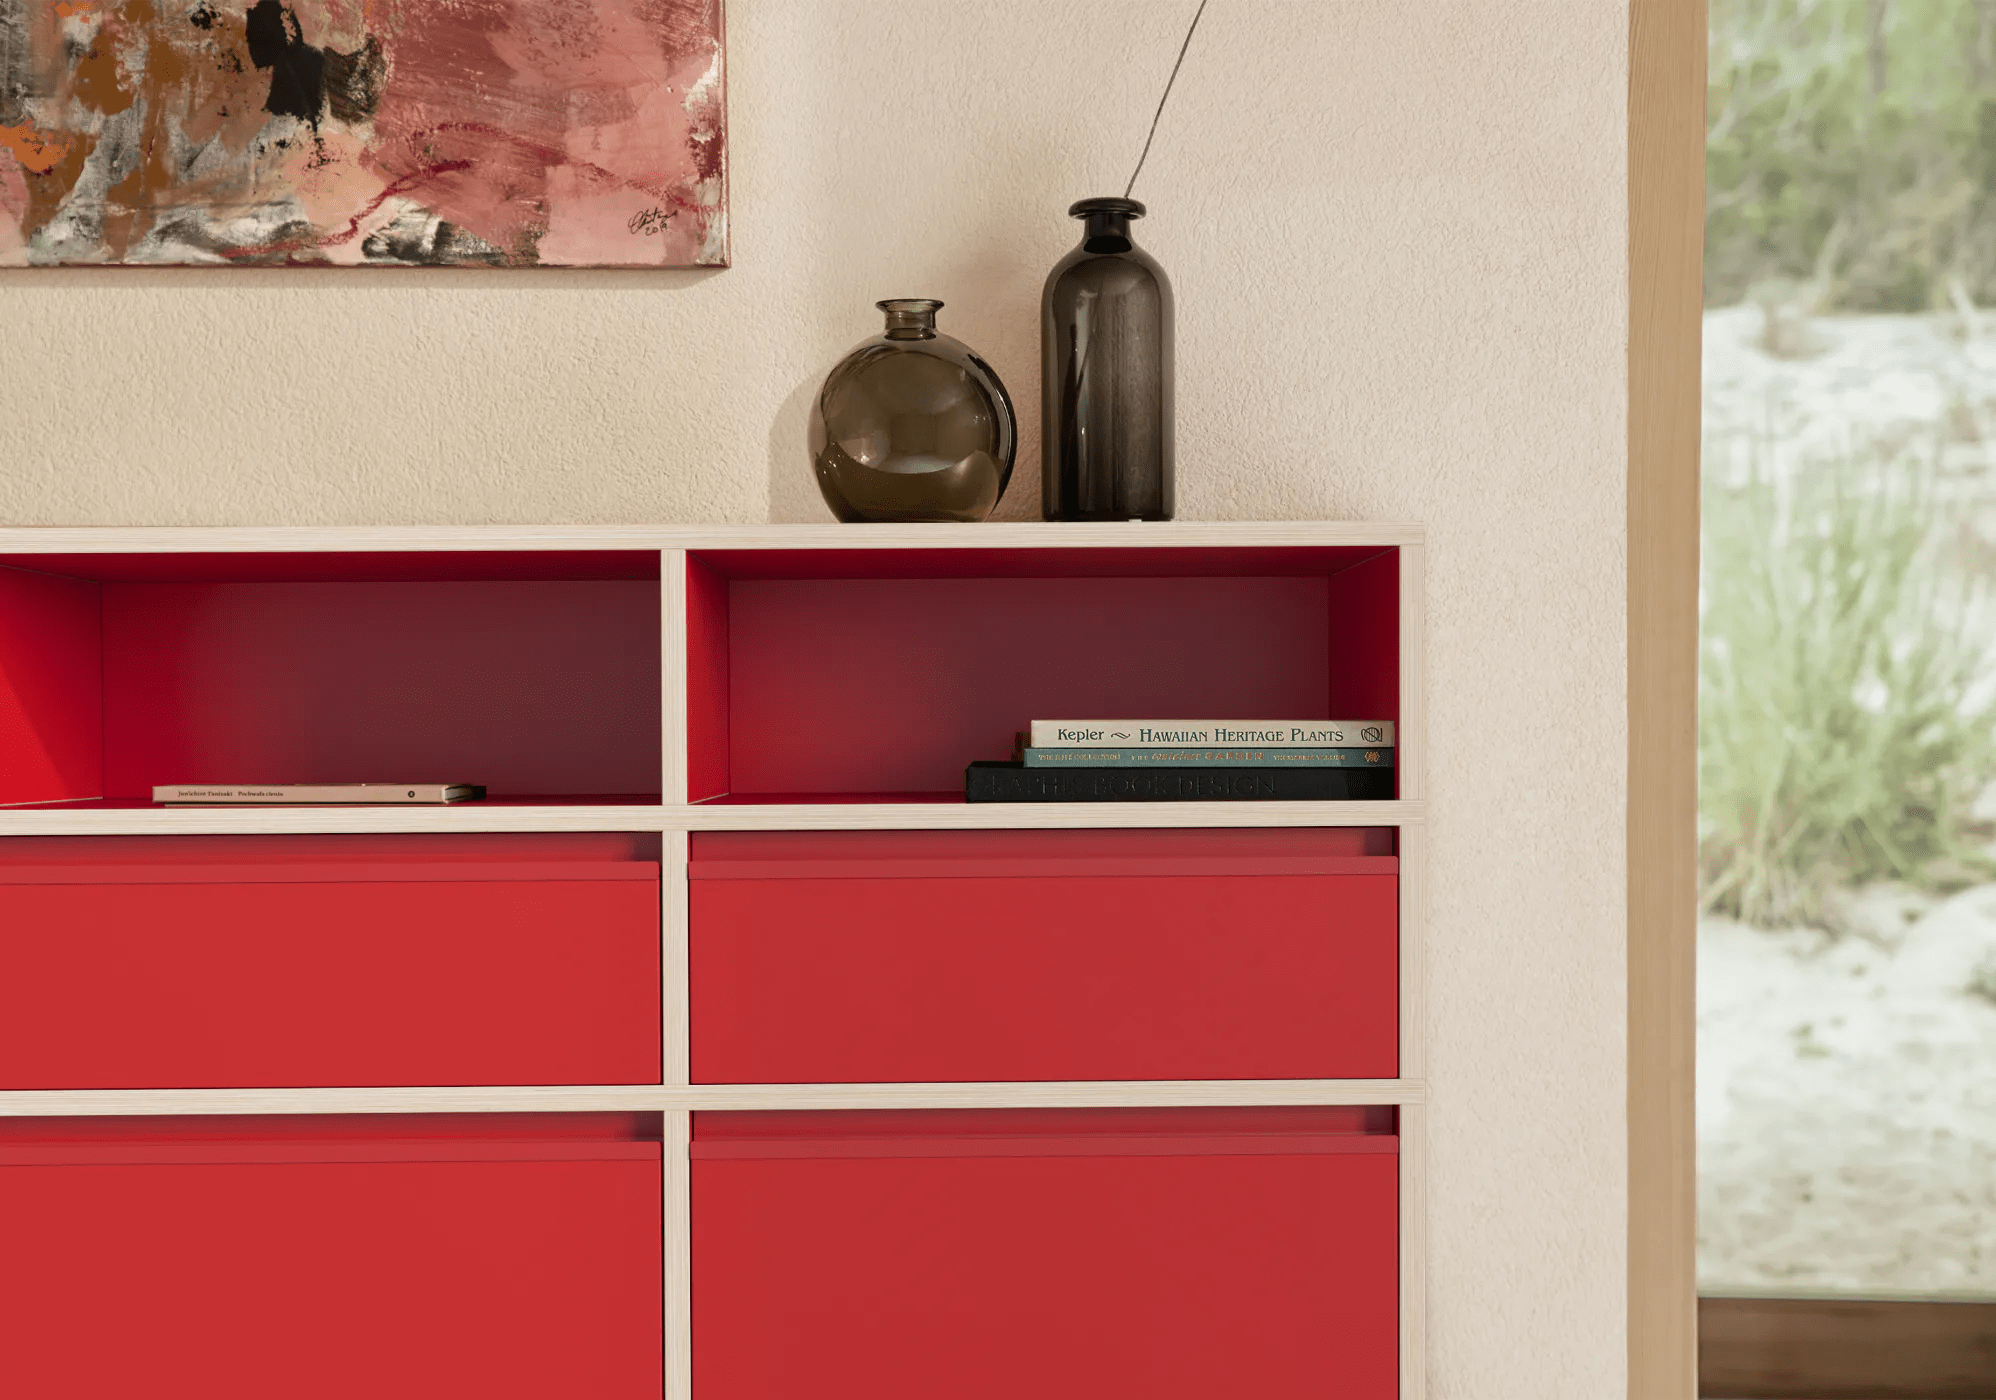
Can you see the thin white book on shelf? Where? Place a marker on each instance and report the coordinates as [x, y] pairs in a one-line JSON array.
[[315, 794], [1181, 733]]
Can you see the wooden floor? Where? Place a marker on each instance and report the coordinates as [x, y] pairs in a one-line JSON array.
[[1845, 1349]]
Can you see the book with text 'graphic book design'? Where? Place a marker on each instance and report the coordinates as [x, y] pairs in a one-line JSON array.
[[315, 794], [1014, 782], [1209, 733], [1208, 758]]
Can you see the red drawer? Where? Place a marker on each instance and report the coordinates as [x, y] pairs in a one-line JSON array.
[[215, 962], [829, 957], [1054, 1254], [217, 1261]]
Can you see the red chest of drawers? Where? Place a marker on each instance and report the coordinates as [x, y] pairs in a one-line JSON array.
[[723, 1052]]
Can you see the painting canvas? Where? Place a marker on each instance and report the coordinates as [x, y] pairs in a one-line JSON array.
[[502, 133]]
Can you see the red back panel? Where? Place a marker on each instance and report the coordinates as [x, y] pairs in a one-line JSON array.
[[524, 687], [1158, 1271], [894, 685], [170, 967], [51, 688], [706, 681], [932, 957], [531, 1273], [1365, 663]]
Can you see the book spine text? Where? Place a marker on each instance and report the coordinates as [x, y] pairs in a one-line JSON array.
[[1162, 733]]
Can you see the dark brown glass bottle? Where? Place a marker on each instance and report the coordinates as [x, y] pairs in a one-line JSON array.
[[912, 425], [1105, 356]]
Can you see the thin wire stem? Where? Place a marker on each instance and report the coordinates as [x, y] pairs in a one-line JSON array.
[[1164, 99]]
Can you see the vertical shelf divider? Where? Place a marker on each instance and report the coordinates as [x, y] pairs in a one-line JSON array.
[[674, 994], [674, 1024], [678, 1335]]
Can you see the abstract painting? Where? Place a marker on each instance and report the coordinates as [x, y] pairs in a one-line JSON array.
[[489, 133]]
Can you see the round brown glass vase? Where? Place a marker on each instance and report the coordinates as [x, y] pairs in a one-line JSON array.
[[912, 425]]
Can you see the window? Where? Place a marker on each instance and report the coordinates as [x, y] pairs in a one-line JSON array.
[[1847, 731]]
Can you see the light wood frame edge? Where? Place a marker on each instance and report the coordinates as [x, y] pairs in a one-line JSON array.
[[1413, 729], [1666, 188], [1413, 954], [1413, 851], [639, 1098], [48, 539], [1413, 1129]]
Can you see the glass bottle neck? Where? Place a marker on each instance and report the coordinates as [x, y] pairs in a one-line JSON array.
[[1106, 231], [911, 320]]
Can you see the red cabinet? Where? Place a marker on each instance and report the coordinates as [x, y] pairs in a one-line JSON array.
[[215, 962], [894, 1255], [1061, 1254], [323, 1260], [824, 957]]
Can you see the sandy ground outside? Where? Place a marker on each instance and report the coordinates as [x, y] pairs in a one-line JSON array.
[[1847, 1086], [1847, 1102], [1868, 382]]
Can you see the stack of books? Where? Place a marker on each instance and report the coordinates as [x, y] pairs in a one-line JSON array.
[[1192, 761]]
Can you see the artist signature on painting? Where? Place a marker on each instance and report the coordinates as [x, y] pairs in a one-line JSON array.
[[650, 221]]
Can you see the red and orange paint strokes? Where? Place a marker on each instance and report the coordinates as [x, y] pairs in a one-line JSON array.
[[461, 132]]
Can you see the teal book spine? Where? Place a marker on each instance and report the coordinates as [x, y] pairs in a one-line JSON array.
[[1209, 758], [1014, 782]]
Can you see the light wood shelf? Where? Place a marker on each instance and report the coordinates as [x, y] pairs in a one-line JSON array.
[[991, 535], [633, 1098], [857, 816], [1047, 815], [321, 821]]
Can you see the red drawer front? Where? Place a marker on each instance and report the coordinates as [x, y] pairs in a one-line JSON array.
[[1188, 1254], [401, 1272], [927, 957], [144, 973]]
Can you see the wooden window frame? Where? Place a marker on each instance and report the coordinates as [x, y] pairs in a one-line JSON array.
[[1666, 192], [1846, 1349], [1819, 1348]]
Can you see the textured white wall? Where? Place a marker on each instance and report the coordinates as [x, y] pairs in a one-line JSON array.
[[1396, 232]]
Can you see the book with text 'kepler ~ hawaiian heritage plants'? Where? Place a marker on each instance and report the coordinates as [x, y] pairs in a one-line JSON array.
[[1208, 733]]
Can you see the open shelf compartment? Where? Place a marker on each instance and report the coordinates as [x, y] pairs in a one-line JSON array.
[[535, 675], [877, 675]]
